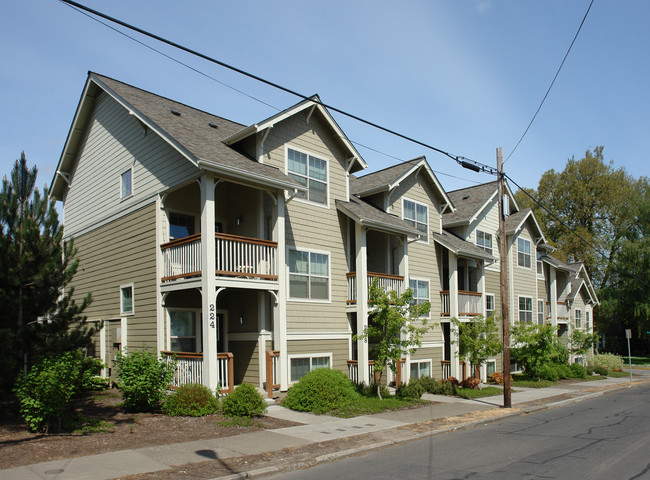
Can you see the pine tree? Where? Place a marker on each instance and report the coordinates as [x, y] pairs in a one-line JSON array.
[[38, 318]]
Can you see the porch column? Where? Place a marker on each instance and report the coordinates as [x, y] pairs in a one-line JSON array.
[[362, 301], [404, 271], [553, 299], [453, 313], [481, 285], [280, 310], [208, 284]]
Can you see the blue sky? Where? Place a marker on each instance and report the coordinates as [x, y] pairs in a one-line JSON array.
[[464, 76]]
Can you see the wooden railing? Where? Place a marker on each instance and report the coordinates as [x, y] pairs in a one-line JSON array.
[[562, 310], [189, 369], [469, 303], [272, 371], [235, 257], [353, 370], [387, 282], [446, 369]]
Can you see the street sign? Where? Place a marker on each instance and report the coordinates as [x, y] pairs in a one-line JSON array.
[[628, 333]]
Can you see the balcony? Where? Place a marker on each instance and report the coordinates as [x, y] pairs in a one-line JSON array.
[[240, 257], [470, 304], [387, 282], [562, 310]]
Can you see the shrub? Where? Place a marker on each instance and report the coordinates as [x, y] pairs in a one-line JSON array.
[[589, 370], [43, 395], [563, 371], [600, 370], [496, 377], [245, 401], [320, 391], [449, 386], [371, 390], [471, 382], [143, 380], [191, 400], [452, 380], [413, 389], [607, 360], [90, 369], [578, 371], [548, 372], [429, 384]]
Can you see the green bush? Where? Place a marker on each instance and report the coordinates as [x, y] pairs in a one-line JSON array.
[[430, 384], [321, 391], [449, 386], [90, 369], [472, 383], [548, 372], [191, 400], [600, 370], [607, 360], [245, 401], [43, 395], [371, 390], [143, 380], [563, 371], [589, 370], [578, 371], [413, 389]]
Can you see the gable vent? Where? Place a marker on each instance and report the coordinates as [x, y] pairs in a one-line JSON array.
[[176, 112], [213, 125], [465, 197]]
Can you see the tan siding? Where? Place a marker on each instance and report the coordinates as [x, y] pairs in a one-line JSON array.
[[119, 253], [338, 349], [247, 361], [524, 281], [493, 285], [487, 221], [114, 142]]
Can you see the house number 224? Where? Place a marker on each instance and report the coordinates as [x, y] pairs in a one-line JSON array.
[[212, 315]]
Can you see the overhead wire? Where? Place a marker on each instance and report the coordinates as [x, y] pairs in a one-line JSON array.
[[552, 83]]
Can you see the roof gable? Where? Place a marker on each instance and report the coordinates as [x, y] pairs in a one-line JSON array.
[[470, 202], [517, 220]]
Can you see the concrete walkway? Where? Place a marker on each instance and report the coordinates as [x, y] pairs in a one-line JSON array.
[[313, 429]]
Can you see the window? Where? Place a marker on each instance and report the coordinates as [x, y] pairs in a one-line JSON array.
[[525, 310], [491, 367], [308, 275], [126, 299], [311, 172], [578, 318], [182, 331], [489, 305], [420, 291], [180, 225], [523, 252], [540, 268], [540, 312], [126, 184], [420, 368], [484, 241], [301, 366], [587, 320], [417, 215]]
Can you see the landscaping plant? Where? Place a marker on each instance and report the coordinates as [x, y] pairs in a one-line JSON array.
[[143, 380], [413, 389], [245, 401], [607, 360], [479, 339], [191, 400], [321, 391]]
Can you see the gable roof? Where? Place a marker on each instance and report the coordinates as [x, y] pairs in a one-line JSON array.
[[313, 103], [461, 247], [515, 221], [372, 217], [195, 134], [471, 201], [389, 178]]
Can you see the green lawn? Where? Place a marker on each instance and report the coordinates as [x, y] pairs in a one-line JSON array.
[[642, 361], [484, 392], [367, 405], [526, 381]]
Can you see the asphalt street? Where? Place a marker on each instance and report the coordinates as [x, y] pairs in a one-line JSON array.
[[606, 437]]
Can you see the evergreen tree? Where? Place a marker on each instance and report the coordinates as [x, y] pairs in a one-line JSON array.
[[38, 318]]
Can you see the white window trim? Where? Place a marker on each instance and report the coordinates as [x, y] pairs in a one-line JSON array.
[[414, 361], [575, 314], [406, 199], [122, 196], [488, 362], [326, 205], [197, 220], [197, 326], [530, 254], [494, 303], [132, 312], [329, 276], [532, 308], [540, 312], [422, 279], [491, 251], [310, 356]]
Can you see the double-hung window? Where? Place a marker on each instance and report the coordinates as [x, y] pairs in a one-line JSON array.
[[484, 241], [523, 252], [540, 312], [126, 183], [308, 275], [417, 215], [525, 310], [489, 305], [420, 291], [578, 318], [587, 320], [310, 172], [182, 331]]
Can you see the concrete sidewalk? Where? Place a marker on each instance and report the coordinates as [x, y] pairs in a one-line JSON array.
[[313, 429]]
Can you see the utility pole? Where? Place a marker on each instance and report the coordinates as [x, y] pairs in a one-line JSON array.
[[503, 277]]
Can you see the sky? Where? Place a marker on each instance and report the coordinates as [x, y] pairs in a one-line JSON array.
[[463, 76]]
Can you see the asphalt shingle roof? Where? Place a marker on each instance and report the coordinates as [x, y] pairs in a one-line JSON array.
[[460, 246], [376, 180], [367, 212], [467, 202]]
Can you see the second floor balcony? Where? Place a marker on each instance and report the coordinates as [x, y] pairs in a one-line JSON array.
[[386, 281], [239, 257], [470, 304]]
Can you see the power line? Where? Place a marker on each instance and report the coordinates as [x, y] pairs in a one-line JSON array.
[[463, 161], [552, 83]]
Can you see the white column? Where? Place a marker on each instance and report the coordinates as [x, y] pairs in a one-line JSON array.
[[280, 310], [102, 347], [208, 284], [362, 301], [404, 271], [481, 285], [553, 300], [453, 313], [160, 309]]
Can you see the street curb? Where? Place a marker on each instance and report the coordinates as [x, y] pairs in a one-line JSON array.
[[416, 436]]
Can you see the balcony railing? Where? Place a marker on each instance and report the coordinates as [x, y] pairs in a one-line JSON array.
[[353, 370], [446, 369], [236, 256], [189, 369], [562, 310], [469, 303], [387, 282]]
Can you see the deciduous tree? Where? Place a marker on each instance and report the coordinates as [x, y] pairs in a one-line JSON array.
[[479, 339]]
